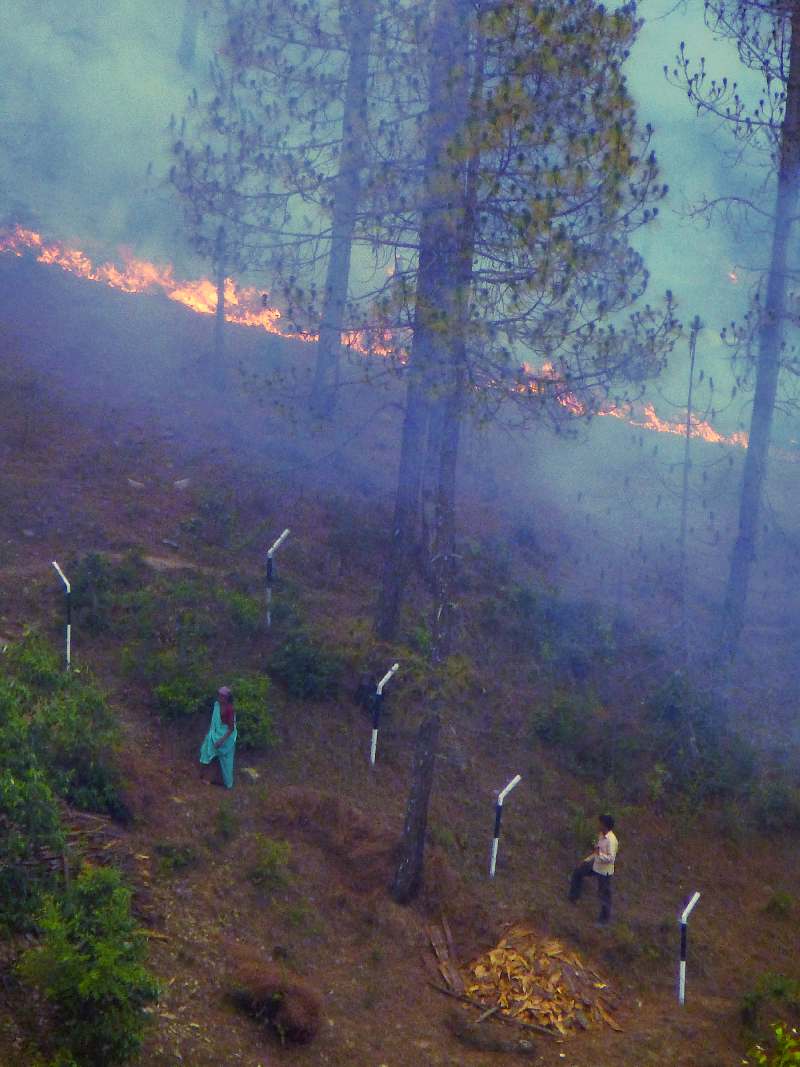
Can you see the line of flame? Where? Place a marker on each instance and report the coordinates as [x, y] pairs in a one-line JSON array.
[[244, 306]]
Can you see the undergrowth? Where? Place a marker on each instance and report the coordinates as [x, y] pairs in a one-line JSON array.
[[89, 967], [58, 735]]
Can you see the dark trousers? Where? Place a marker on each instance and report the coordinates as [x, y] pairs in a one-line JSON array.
[[584, 870]]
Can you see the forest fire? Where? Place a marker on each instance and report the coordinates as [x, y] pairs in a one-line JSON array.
[[647, 419], [244, 306]]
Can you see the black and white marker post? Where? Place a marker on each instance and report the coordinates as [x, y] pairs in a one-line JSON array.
[[68, 607], [377, 701], [498, 815], [271, 572], [687, 911]]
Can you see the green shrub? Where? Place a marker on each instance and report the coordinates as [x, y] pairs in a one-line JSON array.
[[93, 581], [29, 821], [34, 662], [769, 988], [182, 694], [75, 734], [780, 905], [253, 718], [89, 965], [181, 685], [786, 1052], [719, 764], [776, 805], [421, 639], [247, 613], [564, 720], [307, 669], [29, 814], [175, 858], [271, 868]]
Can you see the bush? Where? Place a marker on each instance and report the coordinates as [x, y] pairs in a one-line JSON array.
[[247, 613], [93, 580], [35, 663], [184, 693], [307, 669], [75, 733], [271, 868], [89, 966], [780, 905], [776, 805], [564, 721], [181, 684], [786, 1052], [253, 718], [29, 821], [175, 858], [723, 764], [770, 988]]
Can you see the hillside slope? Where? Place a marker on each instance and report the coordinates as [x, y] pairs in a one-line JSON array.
[[91, 465]]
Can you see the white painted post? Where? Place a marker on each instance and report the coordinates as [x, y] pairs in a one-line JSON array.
[[68, 605], [498, 814], [271, 572], [682, 967], [377, 701]]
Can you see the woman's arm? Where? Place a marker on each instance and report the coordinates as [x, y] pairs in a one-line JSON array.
[[222, 740]]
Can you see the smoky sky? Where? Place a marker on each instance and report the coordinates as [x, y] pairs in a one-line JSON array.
[[86, 94], [88, 87]]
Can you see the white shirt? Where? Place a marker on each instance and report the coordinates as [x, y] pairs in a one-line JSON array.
[[605, 854]]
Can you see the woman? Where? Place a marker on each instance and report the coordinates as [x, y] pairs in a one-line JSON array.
[[220, 741]]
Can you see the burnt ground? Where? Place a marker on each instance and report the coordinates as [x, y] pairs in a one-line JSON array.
[[101, 392]]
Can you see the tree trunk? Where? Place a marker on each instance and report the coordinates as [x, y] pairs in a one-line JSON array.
[[768, 366], [451, 405], [438, 309], [443, 551], [188, 46], [406, 509], [345, 207], [408, 876], [218, 376], [687, 466]]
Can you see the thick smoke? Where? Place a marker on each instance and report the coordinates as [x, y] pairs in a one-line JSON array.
[[85, 98], [88, 90]]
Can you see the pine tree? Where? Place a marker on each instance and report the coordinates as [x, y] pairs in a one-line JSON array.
[[536, 186], [219, 183], [767, 35], [321, 78]]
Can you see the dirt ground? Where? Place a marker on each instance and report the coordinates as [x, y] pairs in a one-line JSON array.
[[94, 468]]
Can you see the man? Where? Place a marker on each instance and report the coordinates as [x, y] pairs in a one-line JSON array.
[[599, 865]]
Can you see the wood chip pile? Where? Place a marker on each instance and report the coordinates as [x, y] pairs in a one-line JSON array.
[[538, 981]]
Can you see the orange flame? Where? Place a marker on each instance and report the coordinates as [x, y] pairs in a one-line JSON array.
[[646, 419], [244, 306], [643, 417], [141, 276]]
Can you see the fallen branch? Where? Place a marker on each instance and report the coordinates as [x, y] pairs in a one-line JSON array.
[[487, 1013], [505, 1018]]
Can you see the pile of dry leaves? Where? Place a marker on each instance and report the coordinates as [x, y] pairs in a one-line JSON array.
[[538, 981]]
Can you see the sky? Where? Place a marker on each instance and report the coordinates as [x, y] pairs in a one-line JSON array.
[[88, 89]]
